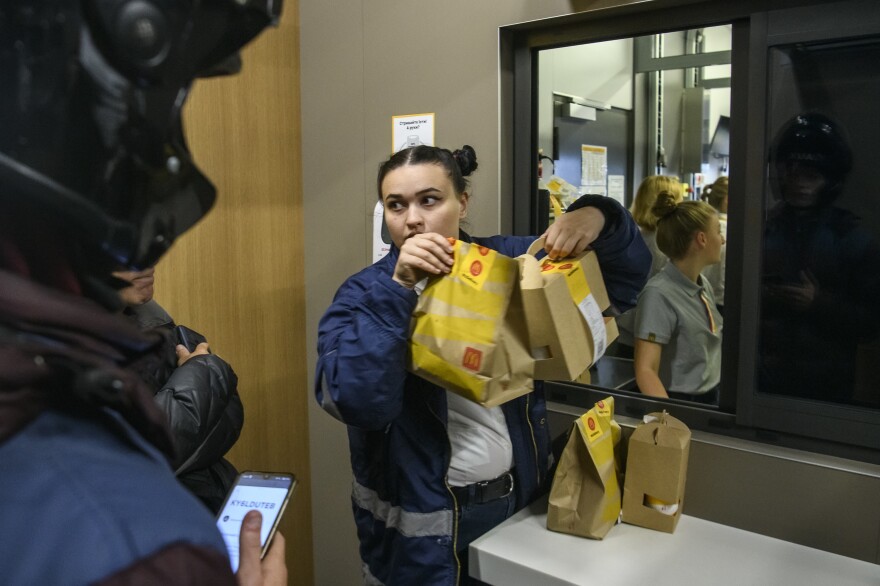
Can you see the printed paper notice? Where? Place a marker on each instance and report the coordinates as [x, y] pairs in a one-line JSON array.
[[594, 165], [616, 186], [411, 130]]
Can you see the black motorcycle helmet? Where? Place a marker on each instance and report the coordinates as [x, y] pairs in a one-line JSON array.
[[91, 93], [816, 141]]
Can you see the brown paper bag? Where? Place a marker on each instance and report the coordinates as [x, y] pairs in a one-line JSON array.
[[585, 495], [557, 341], [563, 303], [468, 330], [656, 471]]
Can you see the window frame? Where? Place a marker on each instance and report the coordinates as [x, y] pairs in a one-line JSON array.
[[755, 25]]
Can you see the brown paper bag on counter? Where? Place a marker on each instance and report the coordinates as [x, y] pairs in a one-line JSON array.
[[585, 495], [656, 471], [563, 303]]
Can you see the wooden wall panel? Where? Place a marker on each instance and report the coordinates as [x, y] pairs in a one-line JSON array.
[[238, 276]]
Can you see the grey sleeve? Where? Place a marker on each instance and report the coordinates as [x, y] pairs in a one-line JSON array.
[[656, 319]]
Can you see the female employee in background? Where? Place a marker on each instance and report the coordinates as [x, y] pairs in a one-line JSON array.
[[433, 471], [716, 196], [641, 209], [678, 326]]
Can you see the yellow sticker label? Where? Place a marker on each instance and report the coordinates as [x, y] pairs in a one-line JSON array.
[[604, 407], [591, 426], [476, 265], [578, 287]]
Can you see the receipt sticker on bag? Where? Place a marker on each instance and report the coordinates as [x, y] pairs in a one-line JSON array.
[[468, 332], [576, 279]]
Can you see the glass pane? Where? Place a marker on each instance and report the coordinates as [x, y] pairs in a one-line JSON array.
[[821, 261], [613, 115], [703, 40]]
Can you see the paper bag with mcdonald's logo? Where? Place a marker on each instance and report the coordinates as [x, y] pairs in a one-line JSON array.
[[559, 344], [567, 334], [585, 497], [468, 331]]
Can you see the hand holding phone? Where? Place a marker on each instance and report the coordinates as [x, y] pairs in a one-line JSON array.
[[267, 492], [256, 571], [188, 338]]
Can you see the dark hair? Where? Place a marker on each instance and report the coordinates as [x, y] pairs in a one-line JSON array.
[[458, 164], [678, 222]]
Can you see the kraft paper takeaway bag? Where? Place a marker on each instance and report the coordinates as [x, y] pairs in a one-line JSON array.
[[656, 471], [586, 287], [468, 332], [585, 496], [558, 342]]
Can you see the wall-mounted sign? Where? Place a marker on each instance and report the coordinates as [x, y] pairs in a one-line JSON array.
[[617, 188], [594, 167], [411, 130], [406, 131]]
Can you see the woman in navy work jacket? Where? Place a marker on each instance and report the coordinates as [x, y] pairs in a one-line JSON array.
[[432, 471]]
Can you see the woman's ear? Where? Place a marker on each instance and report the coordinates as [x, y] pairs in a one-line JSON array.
[[701, 239], [463, 203]]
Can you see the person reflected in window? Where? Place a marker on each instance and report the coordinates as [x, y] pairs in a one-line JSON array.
[[716, 196], [642, 212], [821, 268], [678, 326]]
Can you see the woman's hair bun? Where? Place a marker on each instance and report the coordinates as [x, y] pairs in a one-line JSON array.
[[466, 158], [665, 204]]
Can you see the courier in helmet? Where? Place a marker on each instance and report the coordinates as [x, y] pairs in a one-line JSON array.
[[821, 267], [95, 175]]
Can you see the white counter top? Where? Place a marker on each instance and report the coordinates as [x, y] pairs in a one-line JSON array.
[[521, 551]]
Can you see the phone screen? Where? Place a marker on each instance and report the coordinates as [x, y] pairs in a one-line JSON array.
[[266, 492]]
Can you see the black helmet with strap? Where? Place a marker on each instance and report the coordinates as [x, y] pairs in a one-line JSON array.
[[91, 93]]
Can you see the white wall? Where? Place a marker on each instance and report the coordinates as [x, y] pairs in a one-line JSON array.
[[602, 72]]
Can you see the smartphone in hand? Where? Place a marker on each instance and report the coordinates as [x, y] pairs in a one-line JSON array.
[[189, 338], [267, 492]]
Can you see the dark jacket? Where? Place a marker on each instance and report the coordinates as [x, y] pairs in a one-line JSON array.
[[86, 492], [200, 399], [404, 509], [811, 352]]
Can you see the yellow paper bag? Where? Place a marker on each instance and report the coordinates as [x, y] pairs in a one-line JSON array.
[[468, 331], [585, 496]]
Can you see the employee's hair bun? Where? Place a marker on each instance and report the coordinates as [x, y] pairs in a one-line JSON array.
[[466, 158], [665, 205]]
